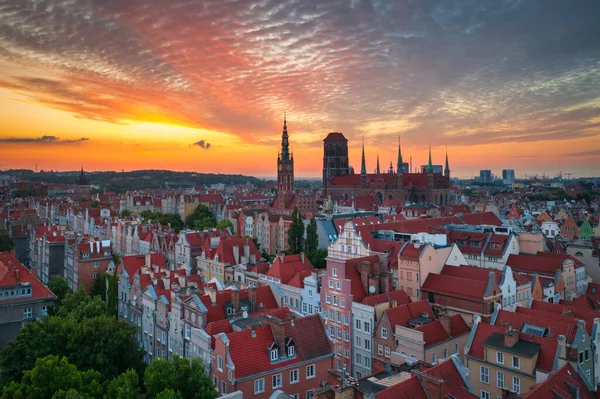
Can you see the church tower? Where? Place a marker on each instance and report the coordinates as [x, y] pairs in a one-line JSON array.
[[285, 163]]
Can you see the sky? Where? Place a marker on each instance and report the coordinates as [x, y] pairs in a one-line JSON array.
[[202, 86]]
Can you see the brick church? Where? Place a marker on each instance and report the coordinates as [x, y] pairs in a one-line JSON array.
[[341, 182]]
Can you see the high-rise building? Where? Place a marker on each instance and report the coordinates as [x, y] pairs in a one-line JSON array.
[[508, 176], [485, 175]]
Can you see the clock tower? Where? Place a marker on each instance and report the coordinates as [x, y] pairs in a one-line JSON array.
[[285, 164]]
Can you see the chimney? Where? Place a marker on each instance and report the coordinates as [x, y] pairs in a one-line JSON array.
[[562, 347], [302, 257], [445, 322], [433, 387], [148, 260], [252, 298], [278, 329], [236, 254], [394, 303], [235, 299], [363, 270], [247, 251], [17, 275], [511, 337], [212, 293]]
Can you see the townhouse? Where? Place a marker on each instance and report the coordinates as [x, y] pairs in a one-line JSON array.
[[288, 272], [291, 355], [348, 281], [23, 297], [564, 383], [485, 249], [365, 315], [219, 254], [47, 250], [190, 244], [464, 296], [85, 261]]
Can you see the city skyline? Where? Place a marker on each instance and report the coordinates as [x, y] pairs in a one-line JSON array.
[[202, 87]]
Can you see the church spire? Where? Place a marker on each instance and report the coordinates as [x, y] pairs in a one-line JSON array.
[[447, 170], [430, 166], [378, 171], [285, 152], [363, 166], [400, 166]]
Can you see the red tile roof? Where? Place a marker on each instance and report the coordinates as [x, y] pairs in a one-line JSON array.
[[457, 287], [291, 269], [576, 261], [400, 315], [557, 325], [356, 287], [548, 346], [535, 264], [434, 333], [13, 273], [250, 356], [561, 384], [399, 296], [566, 310], [264, 296]]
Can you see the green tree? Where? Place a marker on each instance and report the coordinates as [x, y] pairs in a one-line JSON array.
[[169, 394], [99, 287], [201, 219], [52, 377], [312, 238], [125, 213], [125, 386], [317, 258], [296, 233], [112, 294], [147, 214], [225, 224], [6, 241], [180, 375], [83, 333], [60, 287]]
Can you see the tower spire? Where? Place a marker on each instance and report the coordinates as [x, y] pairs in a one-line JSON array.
[[430, 166], [447, 170], [400, 166], [285, 152], [363, 166], [377, 163]]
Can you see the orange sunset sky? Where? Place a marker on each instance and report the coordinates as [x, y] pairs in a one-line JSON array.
[[202, 85]]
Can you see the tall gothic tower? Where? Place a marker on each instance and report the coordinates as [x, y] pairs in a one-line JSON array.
[[285, 164]]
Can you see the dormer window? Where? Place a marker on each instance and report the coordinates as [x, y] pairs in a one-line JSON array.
[[229, 311], [460, 243], [291, 351], [475, 244], [274, 354]]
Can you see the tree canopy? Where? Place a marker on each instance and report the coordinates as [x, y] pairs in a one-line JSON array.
[[6, 241], [181, 376], [296, 233], [60, 287], [201, 219], [312, 238], [164, 219], [225, 224]]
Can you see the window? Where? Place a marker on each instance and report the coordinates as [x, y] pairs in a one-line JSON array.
[[331, 315], [445, 353], [331, 284], [387, 352], [223, 387], [380, 349], [274, 354], [334, 272], [259, 386], [367, 361], [409, 276], [338, 285], [347, 353], [331, 331], [95, 276], [328, 298], [309, 394], [367, 344], [339, 317], [27, 313], [170, 344], [342, 302], [294, 376], [291, 351], [216, 382], [484, 395], [433, 358], [346, 320], [500, 357], [384, 333], [500, 379], [339, 333], [335, 300], [516, 385], [357, 341], [484, 374], [276, 381], [367, 326], [310, 371], [219, 363], [516, 362], [346, 336], [310, 293], [358, 326], [45, 310]]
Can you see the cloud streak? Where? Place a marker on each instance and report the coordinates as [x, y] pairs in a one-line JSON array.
[[46, 140], [202, 144]]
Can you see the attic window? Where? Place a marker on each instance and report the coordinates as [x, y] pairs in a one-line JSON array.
[[291, 351], [460, 243], [274, 354], [229, 311], [475, 244]]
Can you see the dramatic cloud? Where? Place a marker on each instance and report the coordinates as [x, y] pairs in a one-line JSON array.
[[592, 153], [42, 140], [463, 72], [202, 144]]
